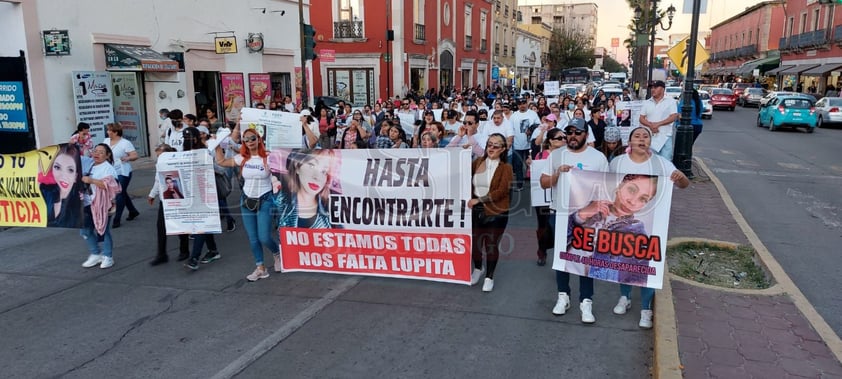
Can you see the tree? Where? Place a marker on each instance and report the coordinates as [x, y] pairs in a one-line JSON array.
[[569, 49], [611, 65]]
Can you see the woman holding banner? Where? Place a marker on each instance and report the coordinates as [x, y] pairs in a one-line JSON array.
[[491, 179], [99, 200], [255, 204], [61, 188], [302, 201], [641, 160]]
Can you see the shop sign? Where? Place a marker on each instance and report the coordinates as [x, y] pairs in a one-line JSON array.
[[327, 55], [254, 42], [225, 45], [56, 42], [12, 108]]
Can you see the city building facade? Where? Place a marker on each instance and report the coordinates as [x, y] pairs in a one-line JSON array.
[[504, 37], [581, 18], [179, 56], [811, 47], [528, 60], [745, 42]]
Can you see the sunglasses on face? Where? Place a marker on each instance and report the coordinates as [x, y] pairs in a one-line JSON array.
[[494, 145], [558, 139], [572, 132], [250, 138]]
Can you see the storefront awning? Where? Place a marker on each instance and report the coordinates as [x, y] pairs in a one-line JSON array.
[[778, 70], [136, 58], [748, 67], [824, 69], [797, 69]]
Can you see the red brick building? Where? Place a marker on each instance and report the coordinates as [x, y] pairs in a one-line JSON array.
[[810, 45], [432, 44], [746, 41]]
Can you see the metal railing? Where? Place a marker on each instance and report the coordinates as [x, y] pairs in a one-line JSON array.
[[348, 29], [815, 38], [420, 33]]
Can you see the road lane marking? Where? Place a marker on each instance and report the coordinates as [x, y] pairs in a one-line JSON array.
[[775, 174], [821, 210], [741, 162], [729, 152], [830, 338], [286, 330], [794, 166]]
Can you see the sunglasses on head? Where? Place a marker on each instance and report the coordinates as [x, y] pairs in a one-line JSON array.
[[572, 132], [250, 138]]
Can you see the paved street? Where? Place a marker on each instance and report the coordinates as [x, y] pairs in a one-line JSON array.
[[137, 321], [787, 185]]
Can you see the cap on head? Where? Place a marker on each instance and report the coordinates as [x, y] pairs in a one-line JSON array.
[[612, 134], [658, 83], [203, 129], [577, 123], [305, 112], [552, 117]]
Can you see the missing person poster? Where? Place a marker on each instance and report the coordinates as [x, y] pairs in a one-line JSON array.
[[628, 117], [42, 188], [616, 226], [188, 192], [278, 129], [398, 213]]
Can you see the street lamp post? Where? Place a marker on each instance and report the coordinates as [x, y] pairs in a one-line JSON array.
[[656, 19], [683, 158]]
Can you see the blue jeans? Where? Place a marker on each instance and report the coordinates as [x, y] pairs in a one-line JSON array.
[[123, 199], [92, 239], [260, 228], [518, 164], [666, 151], [646, 295], [199, 242], [562, 281]]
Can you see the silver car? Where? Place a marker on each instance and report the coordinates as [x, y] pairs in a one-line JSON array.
[[752, 97], [830, 111]]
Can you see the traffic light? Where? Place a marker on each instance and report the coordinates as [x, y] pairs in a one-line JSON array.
[[309, 42]]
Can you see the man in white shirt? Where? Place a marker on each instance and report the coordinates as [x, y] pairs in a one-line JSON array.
[[521, 120], [659, 114], [498, 124], [577, 156]]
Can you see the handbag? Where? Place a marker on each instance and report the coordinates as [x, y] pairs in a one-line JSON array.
[[251, 203]]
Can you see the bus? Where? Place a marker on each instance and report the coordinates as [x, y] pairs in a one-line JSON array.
[[597, 75], [578, 75]]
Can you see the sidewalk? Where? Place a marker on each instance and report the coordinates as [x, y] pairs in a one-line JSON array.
[[709, 332]]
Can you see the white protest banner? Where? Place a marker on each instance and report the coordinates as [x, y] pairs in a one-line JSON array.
[[188, 192], [407, 122], [92, 101], [437, 114], [540, 197], [278, 129], [551, 88], [618, 226], [382, 212], [628, 117]]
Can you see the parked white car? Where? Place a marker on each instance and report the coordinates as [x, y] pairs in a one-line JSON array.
[[675, 92], [830, 111], [707, 111]]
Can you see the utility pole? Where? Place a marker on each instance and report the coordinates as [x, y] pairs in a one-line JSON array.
[[683, 158], [304, 88]]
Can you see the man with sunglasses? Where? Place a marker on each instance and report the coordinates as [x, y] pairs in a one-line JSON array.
[[577, 156], [467, 136]]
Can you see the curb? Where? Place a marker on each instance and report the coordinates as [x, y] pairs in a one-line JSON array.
[[667, 363]]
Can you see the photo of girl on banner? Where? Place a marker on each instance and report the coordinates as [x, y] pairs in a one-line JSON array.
[[61, 186], [171, 189], [616, 226], [303, 186]]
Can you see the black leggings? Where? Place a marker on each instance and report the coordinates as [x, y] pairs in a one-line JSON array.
[[487, 236], [545, 234], [183, 242]]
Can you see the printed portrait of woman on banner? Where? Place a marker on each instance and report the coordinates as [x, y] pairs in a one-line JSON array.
[[62, 188], [302, 194], [625, 213]]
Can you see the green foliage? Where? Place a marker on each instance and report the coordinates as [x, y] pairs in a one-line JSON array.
[[611, 65], [569, 49]]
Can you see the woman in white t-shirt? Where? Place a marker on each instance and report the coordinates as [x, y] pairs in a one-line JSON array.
[[124, 152], [641, 160], [256, 202]]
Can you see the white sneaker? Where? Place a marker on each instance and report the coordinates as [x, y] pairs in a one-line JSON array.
[[488, 285], [106, 262], [622, 306], [587, 313], [645, 319], [93, 260], [562, 304], [476, 275]]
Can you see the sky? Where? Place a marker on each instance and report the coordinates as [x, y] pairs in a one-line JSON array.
[[615, 15]]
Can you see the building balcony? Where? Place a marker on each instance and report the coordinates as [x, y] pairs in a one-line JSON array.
[[469, 44], [483, 46], [420, 33], [808, 40], [348, 29]]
